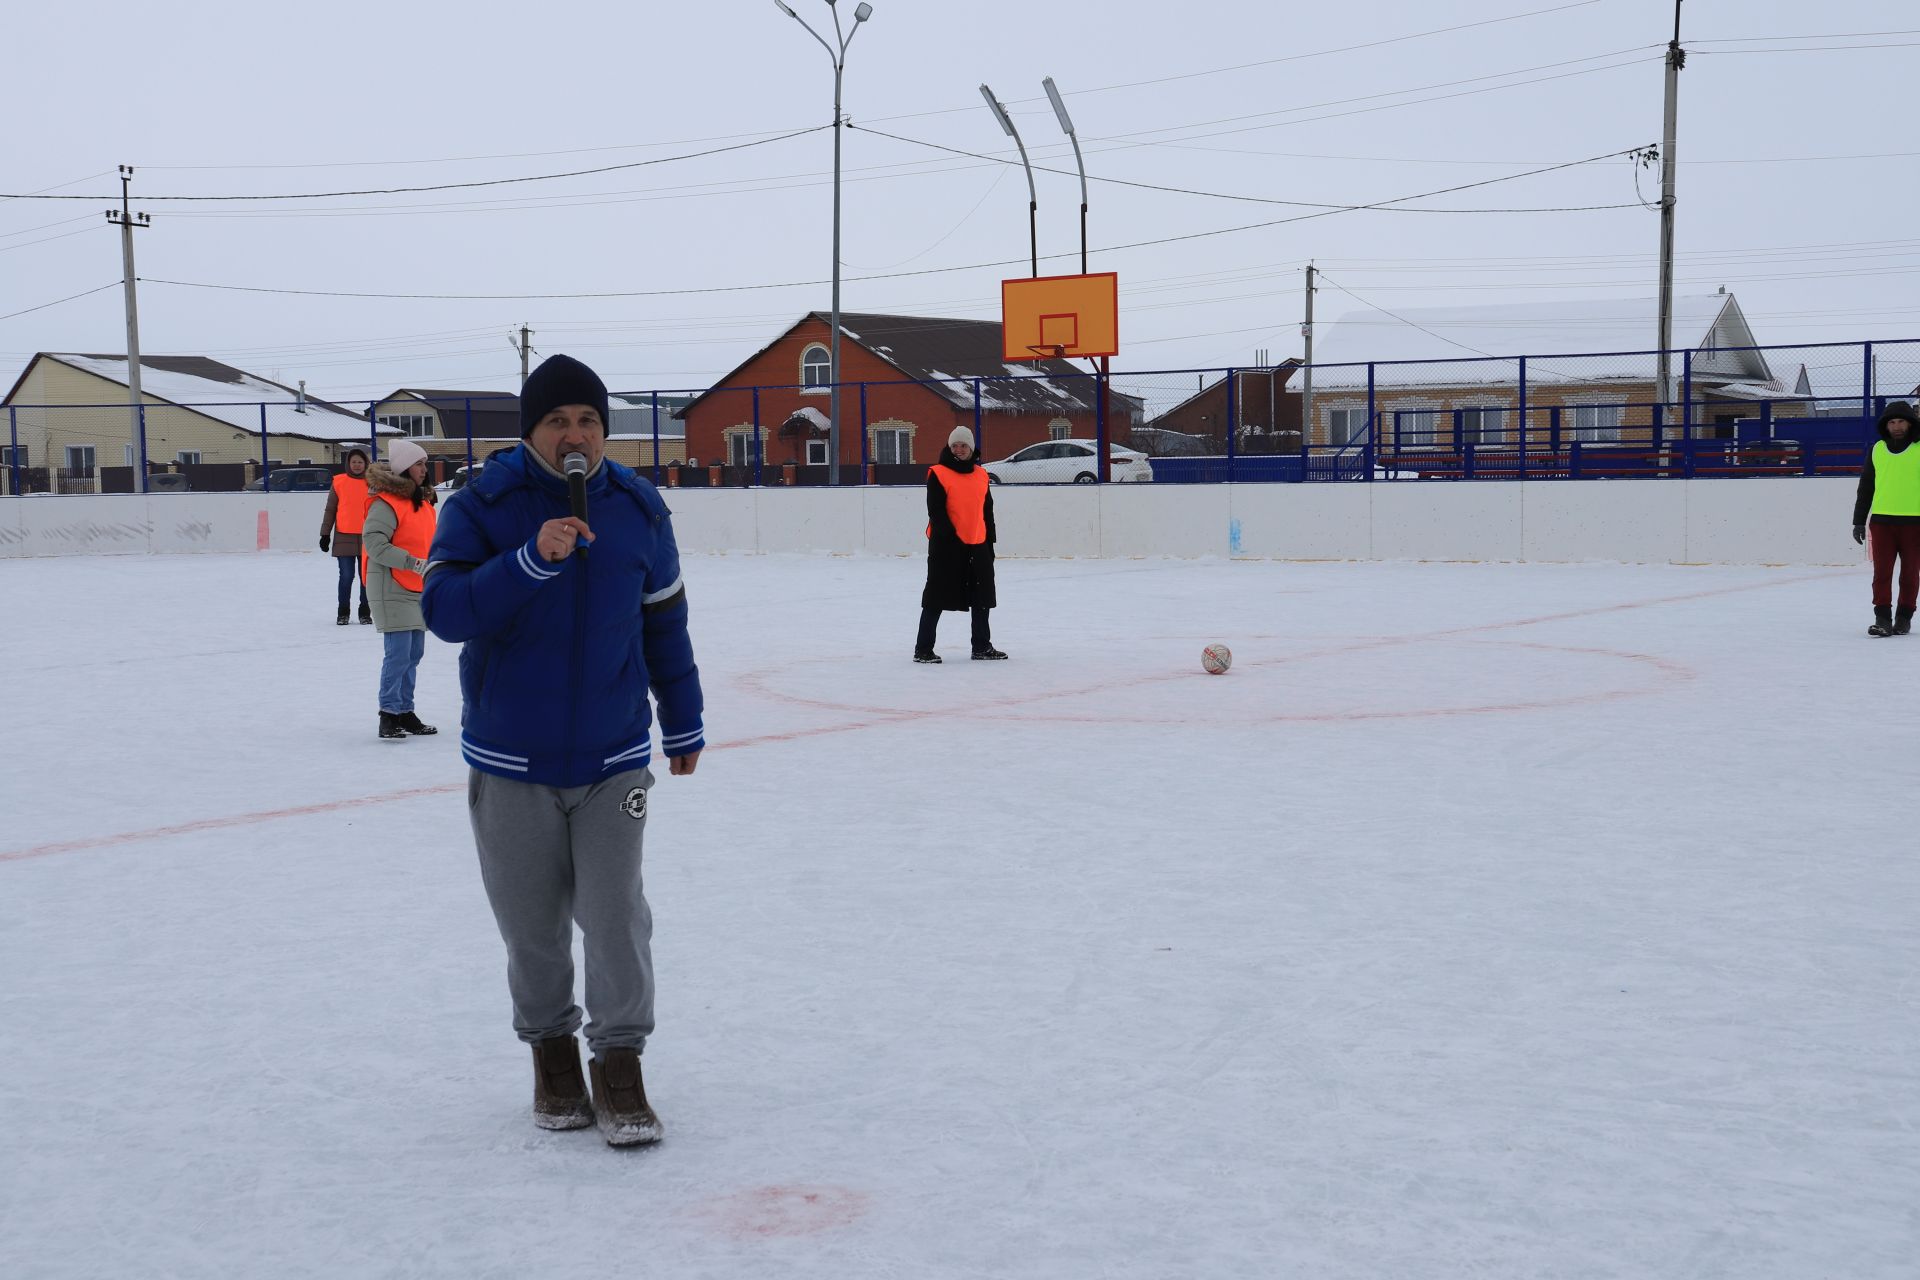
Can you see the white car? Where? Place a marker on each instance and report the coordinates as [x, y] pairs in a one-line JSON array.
[[1069, 462]]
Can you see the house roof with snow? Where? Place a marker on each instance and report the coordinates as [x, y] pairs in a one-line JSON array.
[[221, 392], [946, 353], [1564, 342]]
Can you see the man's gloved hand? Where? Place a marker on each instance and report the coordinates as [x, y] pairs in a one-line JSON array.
[[1860, 534], [326, 542]]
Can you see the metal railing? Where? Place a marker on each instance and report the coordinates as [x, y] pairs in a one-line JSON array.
[[1734, 411]]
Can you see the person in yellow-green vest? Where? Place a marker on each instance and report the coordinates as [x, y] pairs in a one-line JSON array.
[[1888, 506]]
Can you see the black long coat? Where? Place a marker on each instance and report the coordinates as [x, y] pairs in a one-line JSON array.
[[959, 576]]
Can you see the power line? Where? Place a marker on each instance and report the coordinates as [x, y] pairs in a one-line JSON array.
[[1821, 35], [1402, 319], [1221, 195], [451, 186], [899, 275], [57, 301]]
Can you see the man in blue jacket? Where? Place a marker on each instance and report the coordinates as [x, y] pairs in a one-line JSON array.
[[559, 652]]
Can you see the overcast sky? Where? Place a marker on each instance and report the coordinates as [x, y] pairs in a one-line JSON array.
[[1797, 175]]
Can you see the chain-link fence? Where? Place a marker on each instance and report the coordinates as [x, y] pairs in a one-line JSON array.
[[1732, 411]]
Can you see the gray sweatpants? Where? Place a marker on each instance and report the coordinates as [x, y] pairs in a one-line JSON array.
[[554, 856]]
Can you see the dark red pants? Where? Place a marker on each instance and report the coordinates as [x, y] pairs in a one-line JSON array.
[[1891, 542]]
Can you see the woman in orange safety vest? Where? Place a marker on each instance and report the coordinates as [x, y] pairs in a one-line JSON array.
[[340, 529], [959, 548], [397, 536]]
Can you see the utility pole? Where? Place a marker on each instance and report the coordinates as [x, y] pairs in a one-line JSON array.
[[127, 221], [524, 345], [1669, 140], [1306, 369]]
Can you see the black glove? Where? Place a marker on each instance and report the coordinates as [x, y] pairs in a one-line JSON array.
[[326, 542], [1860, 534]]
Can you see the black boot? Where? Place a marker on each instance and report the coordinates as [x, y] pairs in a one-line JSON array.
[[988, 654], [925, 655], [390, 726], [1902, 621], [342, 619], [1882, 621], [559, 1089], [366, 614], [620, 1100], [410, 723]]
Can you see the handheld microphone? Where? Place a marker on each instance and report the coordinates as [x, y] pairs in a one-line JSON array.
[[575, 465]]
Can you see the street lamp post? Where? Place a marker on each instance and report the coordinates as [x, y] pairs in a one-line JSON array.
[[1033, 197], [1103, 455], [839, 55]]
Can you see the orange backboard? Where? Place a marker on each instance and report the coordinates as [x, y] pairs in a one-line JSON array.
[[1053, 316]]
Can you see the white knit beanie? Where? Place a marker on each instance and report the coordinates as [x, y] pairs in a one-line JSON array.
[[402, 454], [960, 435]]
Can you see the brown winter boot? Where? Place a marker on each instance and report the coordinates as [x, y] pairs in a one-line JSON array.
[[620, 1100], [559, 1092]]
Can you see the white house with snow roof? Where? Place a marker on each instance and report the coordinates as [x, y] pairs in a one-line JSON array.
[[68, 416], [1445, 373]]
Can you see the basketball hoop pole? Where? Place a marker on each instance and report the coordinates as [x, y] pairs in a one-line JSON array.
[[1103, 455], [1066, 126], [1033, 196]]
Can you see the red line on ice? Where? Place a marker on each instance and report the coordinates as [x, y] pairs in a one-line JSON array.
[[894, 715]]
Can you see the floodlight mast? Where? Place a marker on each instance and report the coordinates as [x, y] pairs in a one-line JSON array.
[[839, 56], [1033, 197], [1066, 126]]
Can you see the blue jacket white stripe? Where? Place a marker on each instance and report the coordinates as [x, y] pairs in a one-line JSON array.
[[557, 659]]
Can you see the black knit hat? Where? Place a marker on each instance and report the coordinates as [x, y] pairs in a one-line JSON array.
[[1899, 409], [561, 380]]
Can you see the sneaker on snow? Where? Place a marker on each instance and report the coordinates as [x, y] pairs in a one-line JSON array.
[[928, 656], [988, 654]]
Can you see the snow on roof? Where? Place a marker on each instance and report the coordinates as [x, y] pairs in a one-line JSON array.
[[1534, 329], [236, 401]]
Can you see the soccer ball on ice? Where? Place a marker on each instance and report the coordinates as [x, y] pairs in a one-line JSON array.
[[1216, 658]]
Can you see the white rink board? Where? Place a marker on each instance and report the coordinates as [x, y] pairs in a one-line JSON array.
[[1766, 521]]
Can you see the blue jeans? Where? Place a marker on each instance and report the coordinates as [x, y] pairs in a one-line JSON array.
[[349, 567], [398, 668]]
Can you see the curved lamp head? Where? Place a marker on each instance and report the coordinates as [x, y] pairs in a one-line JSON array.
[[862, 13], [781, 6], [999, 112], [1059, 107]]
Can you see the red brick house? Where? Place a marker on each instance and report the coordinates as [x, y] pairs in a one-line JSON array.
[[921, 374]]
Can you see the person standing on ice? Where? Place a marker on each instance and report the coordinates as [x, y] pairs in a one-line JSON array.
[[567, 623], [1888, 502], [340, 529], [397, 533], [960, 539]]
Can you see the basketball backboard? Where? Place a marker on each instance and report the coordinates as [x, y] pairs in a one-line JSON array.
[[1054, 317]]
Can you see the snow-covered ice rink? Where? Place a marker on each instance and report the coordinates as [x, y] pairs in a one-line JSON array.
[[1484, 920]]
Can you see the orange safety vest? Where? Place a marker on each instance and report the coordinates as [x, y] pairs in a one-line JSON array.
[[966, 502], [351, 515], [414, 535]]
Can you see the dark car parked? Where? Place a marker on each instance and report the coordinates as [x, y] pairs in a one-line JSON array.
[[295, 480], [168, 482]]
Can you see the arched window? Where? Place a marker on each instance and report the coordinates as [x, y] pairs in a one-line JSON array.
[[816, 367]]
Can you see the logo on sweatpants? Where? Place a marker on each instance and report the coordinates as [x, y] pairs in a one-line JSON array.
[[635, 805]]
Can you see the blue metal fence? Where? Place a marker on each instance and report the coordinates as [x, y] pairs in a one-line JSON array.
[[1734, 411]]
